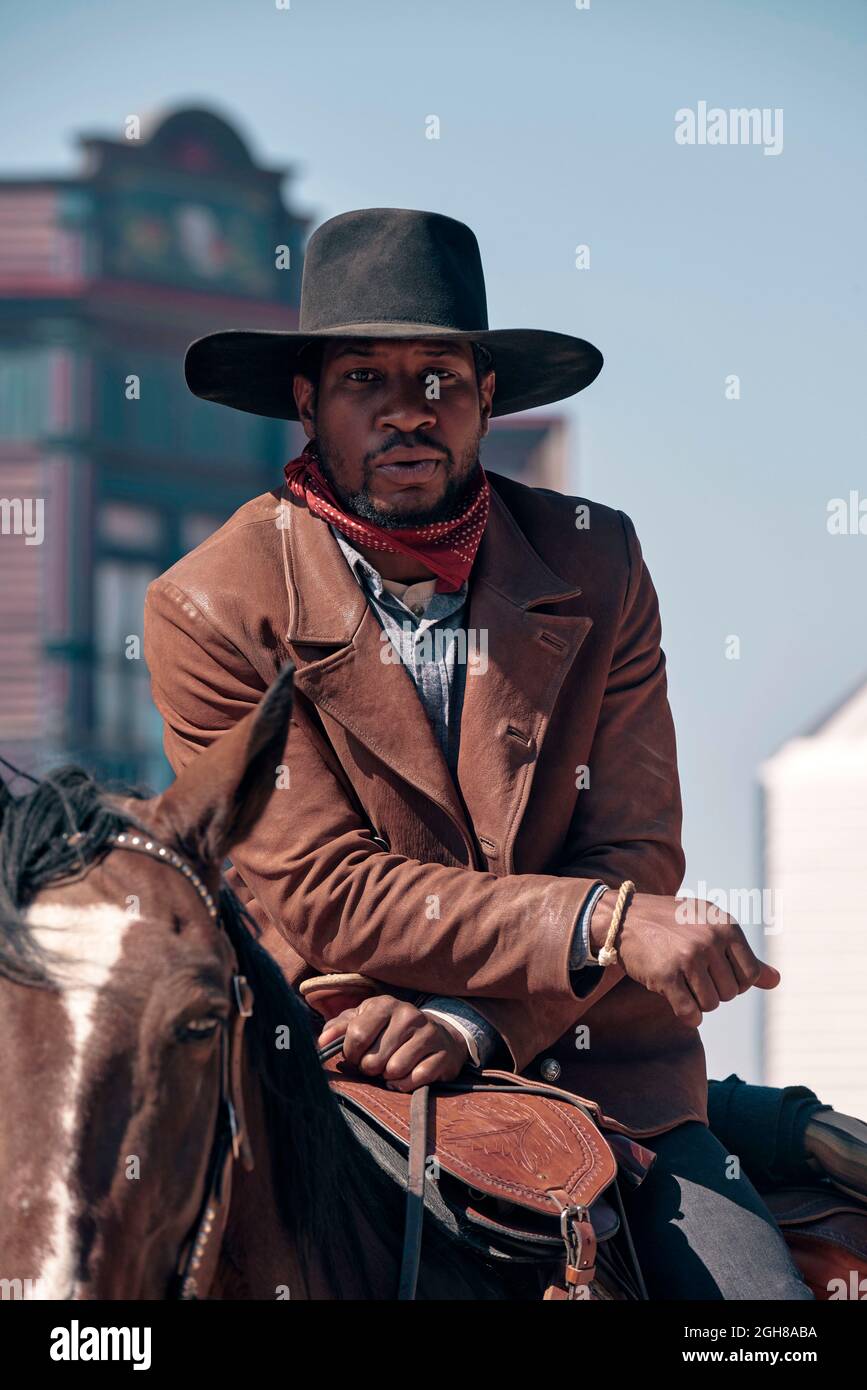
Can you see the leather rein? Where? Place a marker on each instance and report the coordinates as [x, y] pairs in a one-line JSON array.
[[200, 1252]]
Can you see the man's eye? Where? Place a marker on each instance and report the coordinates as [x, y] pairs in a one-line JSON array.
[[366, 373]]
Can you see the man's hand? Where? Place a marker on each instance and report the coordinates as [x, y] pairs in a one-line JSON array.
[[387, 1037], [696, 964]]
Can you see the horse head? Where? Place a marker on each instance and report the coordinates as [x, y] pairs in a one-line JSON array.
[[119, 994]]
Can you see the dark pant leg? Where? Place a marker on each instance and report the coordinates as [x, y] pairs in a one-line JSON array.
[[701, 1235], [764, 1126]]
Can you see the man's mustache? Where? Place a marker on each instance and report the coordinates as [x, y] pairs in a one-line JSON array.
[[416, 441]]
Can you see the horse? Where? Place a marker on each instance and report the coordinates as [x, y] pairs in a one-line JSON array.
[[168, 1130]]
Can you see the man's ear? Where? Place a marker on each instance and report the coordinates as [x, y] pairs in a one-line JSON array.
[[486, 398], [304, 393]]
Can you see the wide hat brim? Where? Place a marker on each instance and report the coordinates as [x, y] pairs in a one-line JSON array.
[[252, 369]]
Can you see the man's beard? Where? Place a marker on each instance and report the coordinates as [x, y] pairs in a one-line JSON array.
[[460, 482]]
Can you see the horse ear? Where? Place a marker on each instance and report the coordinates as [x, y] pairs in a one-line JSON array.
[[217, 799]]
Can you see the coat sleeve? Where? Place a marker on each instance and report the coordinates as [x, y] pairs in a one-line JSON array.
[[342, 903], [627, 822]]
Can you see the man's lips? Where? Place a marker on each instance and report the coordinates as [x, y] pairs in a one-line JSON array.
[[409, 467]]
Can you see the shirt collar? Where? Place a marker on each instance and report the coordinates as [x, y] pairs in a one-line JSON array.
[[360, 566], [365, 571]]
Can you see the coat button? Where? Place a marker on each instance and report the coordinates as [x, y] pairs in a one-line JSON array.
[[550, 1069]]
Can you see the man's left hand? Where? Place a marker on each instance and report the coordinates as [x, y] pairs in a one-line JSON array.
[[390, 1038]]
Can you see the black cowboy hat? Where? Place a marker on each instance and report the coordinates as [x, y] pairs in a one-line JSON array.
[[389, 273]]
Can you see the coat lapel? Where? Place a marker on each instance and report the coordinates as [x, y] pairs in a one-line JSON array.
[[508, 706], [372, 699], [509, 694]]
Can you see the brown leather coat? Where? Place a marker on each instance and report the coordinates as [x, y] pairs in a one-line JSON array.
[[471, 889]]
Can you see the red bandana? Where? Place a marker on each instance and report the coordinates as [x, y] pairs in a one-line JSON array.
[[448, 548]]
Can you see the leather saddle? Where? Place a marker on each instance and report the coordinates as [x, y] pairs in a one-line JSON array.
[[825, 1228], [520, 1172]]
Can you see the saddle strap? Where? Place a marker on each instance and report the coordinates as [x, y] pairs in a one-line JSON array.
[[415, 1180], [579, 1237]]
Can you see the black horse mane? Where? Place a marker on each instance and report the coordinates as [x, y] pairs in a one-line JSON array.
[[328, 1179], [34, 853]]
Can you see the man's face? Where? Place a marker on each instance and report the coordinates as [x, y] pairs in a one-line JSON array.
[[394, 453]]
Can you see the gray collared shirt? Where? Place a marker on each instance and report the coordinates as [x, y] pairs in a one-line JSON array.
[[424, 639]]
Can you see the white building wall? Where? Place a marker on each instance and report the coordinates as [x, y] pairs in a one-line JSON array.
[[815, 1022]]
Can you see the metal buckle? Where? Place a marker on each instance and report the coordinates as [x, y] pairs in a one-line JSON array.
[[572, 1237], [566, 1215]]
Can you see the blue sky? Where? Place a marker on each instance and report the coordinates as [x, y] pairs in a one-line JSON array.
[[557, 128]]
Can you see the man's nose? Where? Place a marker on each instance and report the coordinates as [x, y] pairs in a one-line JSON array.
[[407, 408]]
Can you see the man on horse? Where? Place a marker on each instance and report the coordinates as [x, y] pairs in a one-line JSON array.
[[478, 806]]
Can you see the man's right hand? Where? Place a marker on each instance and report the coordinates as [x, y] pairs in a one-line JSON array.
[[696, 964]]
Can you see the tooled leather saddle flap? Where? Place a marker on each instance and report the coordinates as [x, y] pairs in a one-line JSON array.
[[521, 1148]]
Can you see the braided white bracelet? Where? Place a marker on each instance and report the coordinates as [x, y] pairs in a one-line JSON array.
[[608, 953]]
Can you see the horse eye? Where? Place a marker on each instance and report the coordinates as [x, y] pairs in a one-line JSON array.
[[198, 1028]]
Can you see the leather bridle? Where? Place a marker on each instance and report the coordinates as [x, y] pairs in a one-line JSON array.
[[200, 1253]]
